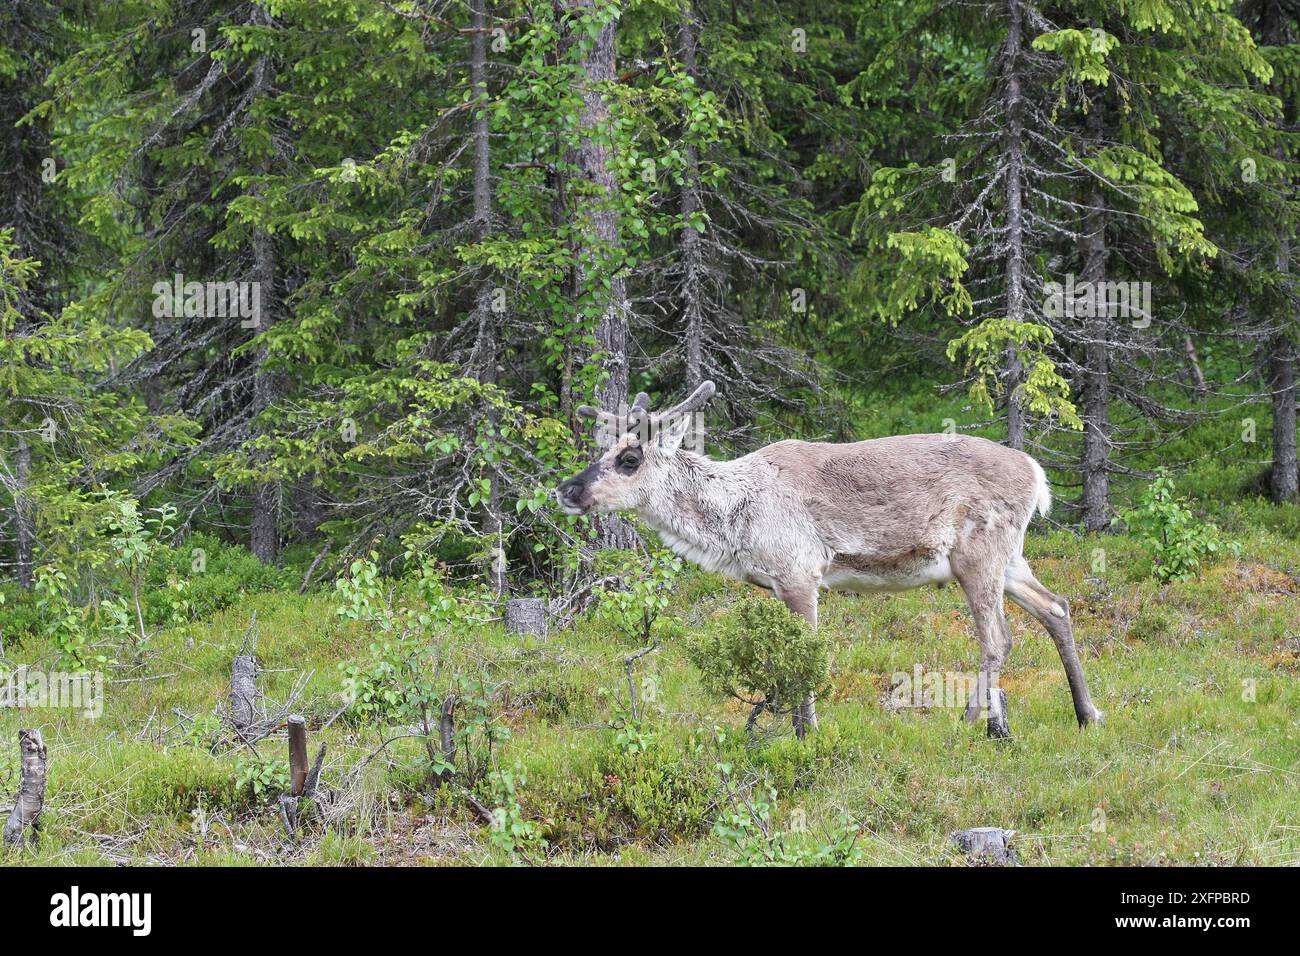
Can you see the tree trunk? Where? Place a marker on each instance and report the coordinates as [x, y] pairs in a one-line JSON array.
[[559, 221], [1096, 350], [691, 251], [485, 346], [1283, 476], [1199, 388], [308, 506], [29, 218], [600, 273], [600, 260], [264, 535], [1282, 352], [24, 516], [1015, 265]]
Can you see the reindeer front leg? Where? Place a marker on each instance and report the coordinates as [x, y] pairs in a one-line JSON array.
[[801, 599]]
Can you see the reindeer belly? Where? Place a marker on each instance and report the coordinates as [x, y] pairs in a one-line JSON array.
[[868, 573]]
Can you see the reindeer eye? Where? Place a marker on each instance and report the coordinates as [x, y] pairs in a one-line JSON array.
[[628, 461]]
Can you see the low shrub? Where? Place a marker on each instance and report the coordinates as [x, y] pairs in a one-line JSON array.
[[761, 653], [1180, 543], [664, 792], [205, 575], [20, 615]]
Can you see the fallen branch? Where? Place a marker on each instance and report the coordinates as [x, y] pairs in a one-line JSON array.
[[488, 816], [312, 786], [311, 569]]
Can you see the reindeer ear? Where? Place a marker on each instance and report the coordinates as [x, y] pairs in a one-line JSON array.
[[671, 435]]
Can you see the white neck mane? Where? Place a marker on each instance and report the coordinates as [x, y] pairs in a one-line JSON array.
[[693, 508]]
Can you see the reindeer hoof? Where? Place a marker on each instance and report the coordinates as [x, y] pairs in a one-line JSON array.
[[1097, 718], [805, 717], [999, 729]]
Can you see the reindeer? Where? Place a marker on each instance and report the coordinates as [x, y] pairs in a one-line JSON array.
[[889, 514]]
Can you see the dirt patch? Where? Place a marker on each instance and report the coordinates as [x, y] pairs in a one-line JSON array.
[[1261, 579], [419, 840], [1021, 680], [856, 685], [1285, 657]]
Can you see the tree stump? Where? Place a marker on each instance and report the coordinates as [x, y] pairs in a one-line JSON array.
[[304, 780], [244, 701], [31, 789], [298, 768], [526, 616], [986, 845], [297, 774]]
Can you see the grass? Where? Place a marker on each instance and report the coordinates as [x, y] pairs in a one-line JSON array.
[[1197, 762]]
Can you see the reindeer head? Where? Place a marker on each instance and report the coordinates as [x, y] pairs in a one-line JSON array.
[[637, 447]]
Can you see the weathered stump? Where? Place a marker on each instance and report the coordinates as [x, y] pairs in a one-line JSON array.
[[526, 616], [31, 789], [986, 845], [304, 780], [298, 768], [244, 699]]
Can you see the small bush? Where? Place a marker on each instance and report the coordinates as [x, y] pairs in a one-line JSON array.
[[665, 792], [748, 830], [176, 585], [761, 653], [20, 615], [259, 779], [634, 603], [511, 830], [1165, 522], [789, 764], [205, 575]]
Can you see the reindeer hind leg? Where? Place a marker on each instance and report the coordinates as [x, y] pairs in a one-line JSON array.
[[1053, 612]]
